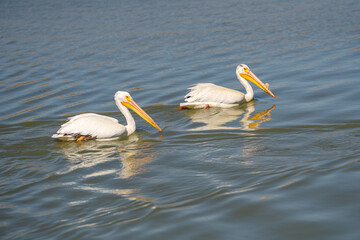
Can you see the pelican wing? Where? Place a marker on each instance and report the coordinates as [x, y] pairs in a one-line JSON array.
[[90, 124], [208, 92], [73, 118]]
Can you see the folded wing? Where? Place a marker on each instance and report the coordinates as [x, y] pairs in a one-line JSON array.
[[208, 92], [92, 125]]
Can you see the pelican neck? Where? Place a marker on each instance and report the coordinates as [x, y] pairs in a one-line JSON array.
[[249, 95], [131, 126]]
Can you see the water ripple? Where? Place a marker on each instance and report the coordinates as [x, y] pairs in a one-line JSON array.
[[267, 169]]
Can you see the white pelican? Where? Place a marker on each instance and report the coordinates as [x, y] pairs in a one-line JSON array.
[[88, 126], [204, 95]]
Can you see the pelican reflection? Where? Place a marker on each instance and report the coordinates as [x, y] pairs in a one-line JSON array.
[[132, 155], [223, 118]]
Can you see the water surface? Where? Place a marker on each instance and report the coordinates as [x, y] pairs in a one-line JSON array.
[[283, 168]]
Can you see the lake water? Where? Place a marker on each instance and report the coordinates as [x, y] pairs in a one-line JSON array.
[[283, 168]]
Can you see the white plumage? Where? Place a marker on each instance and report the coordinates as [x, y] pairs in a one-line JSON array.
[[209, 93], [94, 126], [203, 95], [90, 124]]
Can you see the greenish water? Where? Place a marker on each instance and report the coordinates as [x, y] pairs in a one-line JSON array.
[[283, 168]]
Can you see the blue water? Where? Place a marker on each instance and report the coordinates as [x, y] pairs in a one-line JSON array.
[[283, 168]]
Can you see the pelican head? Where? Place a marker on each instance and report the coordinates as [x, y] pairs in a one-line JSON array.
[[243, 71], [126, 100]]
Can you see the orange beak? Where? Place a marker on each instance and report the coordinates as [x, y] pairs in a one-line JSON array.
[[250, 76], [136, 108]]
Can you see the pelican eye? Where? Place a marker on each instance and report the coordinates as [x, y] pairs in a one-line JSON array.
[[246, 70], [127, 98]]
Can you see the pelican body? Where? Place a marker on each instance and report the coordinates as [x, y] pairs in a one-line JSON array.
[[88, 126], [204, 95]]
